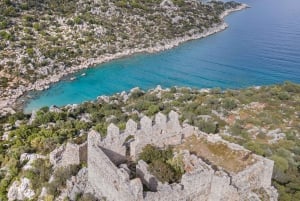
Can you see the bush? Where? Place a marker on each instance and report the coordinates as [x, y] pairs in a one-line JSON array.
[[60, 177], [136, 94], [229, 104], [40, 174], [283, 96], [207, 126], [162, 171], [153, 109], [291, 87], [150, 154], [162, 164]]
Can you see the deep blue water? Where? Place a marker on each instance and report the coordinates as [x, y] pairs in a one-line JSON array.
[[260, 47]]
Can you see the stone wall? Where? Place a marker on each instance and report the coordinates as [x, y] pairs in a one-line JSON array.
[[165, 131], [108, 180], [109, 177], [202, 182], [68, 154], [162, 132]]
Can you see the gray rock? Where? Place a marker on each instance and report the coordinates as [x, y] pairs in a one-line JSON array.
[[106, 178], [30, 158], [68, 154], [20, 190], [32, 117], [147, 178], [78, 184], [161, 121], [146, 125], [131, 127]]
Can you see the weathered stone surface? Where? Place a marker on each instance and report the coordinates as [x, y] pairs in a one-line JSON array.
[[202, 181], [43, 194], [188, 130], [146, 125], [32, 117], [161, 134], [131, 127], [68, 154], [147, 178], [255, 176], [30, 158], [113, 132], [276, 135], [113, 145], [20, 190], [173, 123], [106, 178], [77, 184], [161, 121], [222, 189]]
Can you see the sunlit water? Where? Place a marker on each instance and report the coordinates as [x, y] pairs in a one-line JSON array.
[[260, 47]]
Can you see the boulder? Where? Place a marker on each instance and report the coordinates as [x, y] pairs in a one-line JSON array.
[[20, 190]]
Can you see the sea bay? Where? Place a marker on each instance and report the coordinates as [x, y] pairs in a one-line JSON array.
[[260, 47]]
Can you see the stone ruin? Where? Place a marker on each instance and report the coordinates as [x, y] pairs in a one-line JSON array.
[[110, 177], [68, 154]]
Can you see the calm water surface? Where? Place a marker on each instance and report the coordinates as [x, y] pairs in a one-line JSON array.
[[261, 47]]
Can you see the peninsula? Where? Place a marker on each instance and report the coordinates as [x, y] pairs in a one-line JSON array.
[[42, 42]]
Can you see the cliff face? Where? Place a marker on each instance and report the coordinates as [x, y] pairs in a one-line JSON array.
[[109, 176]]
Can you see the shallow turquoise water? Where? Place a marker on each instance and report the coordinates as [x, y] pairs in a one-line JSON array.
[[261, 47]]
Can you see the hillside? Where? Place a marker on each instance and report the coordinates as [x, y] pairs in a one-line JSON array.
[[264, 120], [42, 41]]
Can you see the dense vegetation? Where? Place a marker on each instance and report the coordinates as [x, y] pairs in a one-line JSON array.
[[163, 164], [43, 38], [250, 117]]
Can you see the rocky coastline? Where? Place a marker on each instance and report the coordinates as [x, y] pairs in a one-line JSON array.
[[12, 101]]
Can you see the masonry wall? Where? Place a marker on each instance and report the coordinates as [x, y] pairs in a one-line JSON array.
[[108, 180], [200, 182]]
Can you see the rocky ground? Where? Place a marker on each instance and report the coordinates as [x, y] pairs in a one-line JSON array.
[[42, 42]]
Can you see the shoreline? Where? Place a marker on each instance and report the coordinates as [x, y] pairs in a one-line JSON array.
[[12, 102]]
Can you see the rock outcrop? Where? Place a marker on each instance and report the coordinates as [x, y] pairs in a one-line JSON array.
[[29, 159], [20, 190]]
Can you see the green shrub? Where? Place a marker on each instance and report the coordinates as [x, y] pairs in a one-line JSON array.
[[162, 164], [207, 126], [283, 96], [40, 173], [61, 175], [153, 109], [229, 104], [162, 171]]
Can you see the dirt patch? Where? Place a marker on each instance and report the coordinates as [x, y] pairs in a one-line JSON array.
[[219, 154]]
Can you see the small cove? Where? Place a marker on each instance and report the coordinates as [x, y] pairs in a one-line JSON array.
[[260, 47]]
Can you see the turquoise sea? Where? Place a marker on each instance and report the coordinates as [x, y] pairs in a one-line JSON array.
[[260, 47]]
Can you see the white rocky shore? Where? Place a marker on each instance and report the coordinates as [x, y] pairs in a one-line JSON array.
[[9, 102]]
